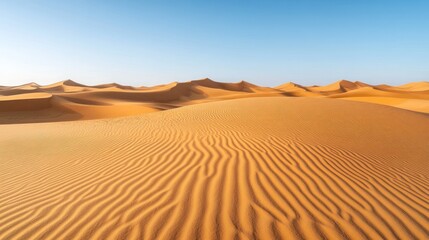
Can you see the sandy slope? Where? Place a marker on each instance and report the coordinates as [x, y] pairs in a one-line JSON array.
[[254, 168]]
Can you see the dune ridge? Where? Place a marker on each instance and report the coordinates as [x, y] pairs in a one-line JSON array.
[[74, 101], [209, 171]]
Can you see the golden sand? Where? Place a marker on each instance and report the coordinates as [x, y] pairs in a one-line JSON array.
[[231, 161]]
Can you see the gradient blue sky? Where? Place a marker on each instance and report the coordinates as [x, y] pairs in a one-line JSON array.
[[264, 42]]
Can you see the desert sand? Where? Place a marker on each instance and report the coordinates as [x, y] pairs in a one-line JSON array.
[[68, 100], [209, 160]]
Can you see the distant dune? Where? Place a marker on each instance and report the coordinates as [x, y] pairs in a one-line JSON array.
[[214, 160], [68, 100]]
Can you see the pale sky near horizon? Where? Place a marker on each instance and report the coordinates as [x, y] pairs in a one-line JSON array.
[[263, 42]]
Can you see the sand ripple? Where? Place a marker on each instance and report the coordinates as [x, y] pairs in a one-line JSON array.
[[241, 169]]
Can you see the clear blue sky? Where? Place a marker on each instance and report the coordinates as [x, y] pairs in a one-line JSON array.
[[264, 42]]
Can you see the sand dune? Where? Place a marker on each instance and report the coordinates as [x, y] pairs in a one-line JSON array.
[[411, 100], [33, 108], [337, 87], [227, 161], [71, 101], [254, 168], [415, 86]]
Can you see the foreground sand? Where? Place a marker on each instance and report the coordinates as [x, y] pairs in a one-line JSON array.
[[254, 168]]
